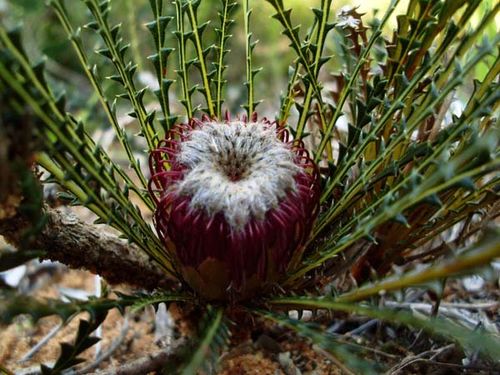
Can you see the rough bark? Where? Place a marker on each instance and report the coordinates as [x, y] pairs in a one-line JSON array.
[[78, 245]]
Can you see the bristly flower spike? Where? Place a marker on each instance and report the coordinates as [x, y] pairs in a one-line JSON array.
[[236, 199]]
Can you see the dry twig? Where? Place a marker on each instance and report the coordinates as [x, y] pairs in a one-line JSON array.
[[151, 362], [68, 240]]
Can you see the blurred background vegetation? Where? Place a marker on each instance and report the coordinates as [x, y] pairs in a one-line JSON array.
[[44, 36]]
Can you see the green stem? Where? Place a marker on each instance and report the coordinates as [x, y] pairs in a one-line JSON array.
[[226, 6], [162, 63], [350, 84], [428, 188], [147, 129], [201, 57], [183, 68], [248, 54], [120, 133]]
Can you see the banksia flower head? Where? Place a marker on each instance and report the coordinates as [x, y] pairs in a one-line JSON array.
[[235, 202]]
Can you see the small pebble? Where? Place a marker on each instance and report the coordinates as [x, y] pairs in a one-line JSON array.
[[473, 283]]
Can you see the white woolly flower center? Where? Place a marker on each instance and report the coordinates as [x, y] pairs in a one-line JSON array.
[[239, 169]]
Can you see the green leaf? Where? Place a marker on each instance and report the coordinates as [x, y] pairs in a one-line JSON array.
[[228, 7], [475, 340], [91, 73], [197, 33], [75, 161], [114, 50], [182, 35], [311, 66], [158, 29], [12, 305], [250, 71], [477, 255], [213, 336], [69, 352]]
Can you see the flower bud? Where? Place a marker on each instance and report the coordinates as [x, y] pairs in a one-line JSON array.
[[235, 201]]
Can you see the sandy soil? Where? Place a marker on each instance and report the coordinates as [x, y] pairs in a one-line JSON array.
[[261, 356]]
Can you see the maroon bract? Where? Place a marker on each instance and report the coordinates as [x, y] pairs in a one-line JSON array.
[[235, 201]]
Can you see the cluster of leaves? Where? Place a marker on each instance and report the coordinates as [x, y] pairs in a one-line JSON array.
[[396, 174]]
